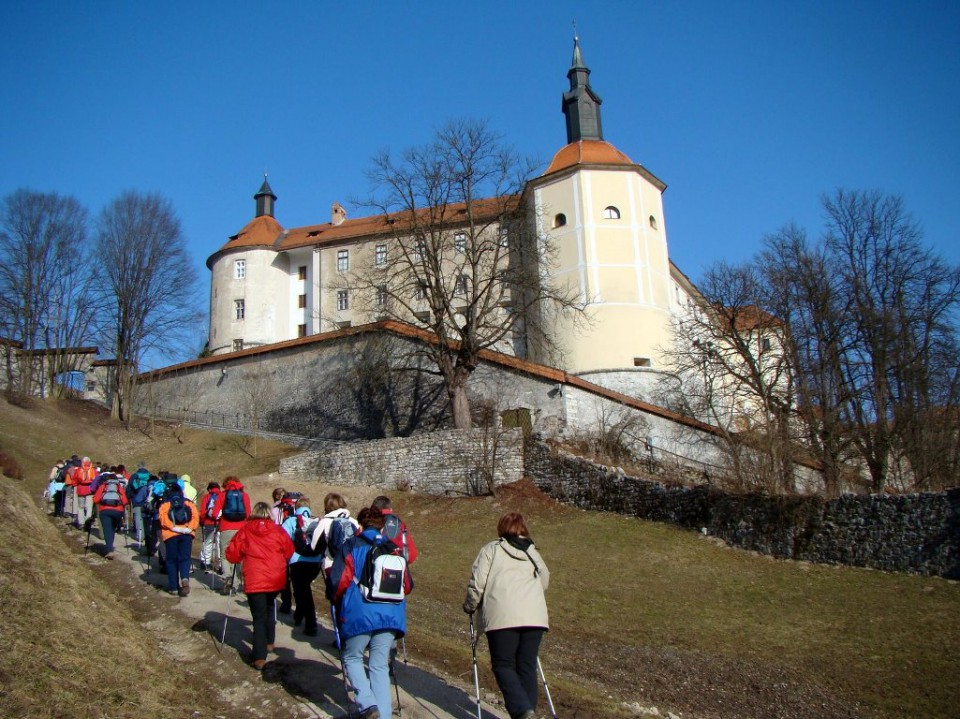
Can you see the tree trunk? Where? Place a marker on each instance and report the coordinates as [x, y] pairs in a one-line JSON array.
[[460, 405]]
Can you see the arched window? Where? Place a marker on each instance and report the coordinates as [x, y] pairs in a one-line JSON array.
[[611, 213], [653, 222], [559, 220]]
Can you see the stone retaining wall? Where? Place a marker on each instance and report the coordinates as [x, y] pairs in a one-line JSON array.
[[914, 533], [448, 462]]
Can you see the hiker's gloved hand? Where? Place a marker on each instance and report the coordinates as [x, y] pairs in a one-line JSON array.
[[468, 609], [182, 530]]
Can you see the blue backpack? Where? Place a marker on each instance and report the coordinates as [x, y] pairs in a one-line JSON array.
[[341, 529], [233, 507], [179, 512]]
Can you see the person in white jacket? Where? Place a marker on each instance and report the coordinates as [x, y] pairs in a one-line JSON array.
[[507, 585]]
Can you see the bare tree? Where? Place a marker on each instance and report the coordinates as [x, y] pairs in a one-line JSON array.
[[873, 331], [46, 293], [463, 260], [149, 281], [728, 359]]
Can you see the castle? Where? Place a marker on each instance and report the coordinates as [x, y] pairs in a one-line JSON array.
[[602, 211]]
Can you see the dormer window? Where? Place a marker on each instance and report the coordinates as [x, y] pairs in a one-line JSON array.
[[559, 220], [611, 213]]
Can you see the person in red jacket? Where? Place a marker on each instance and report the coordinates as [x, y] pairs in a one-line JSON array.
[[208, 526], [264, 549], [83, 477], [231, 518], [110, 499]]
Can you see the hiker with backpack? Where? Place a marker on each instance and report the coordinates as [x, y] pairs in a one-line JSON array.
[[160, 491], [138, 480], [263, 549], [208, 526], [304, 565], [179, 520], [507, 585], [110, 499], [55, 489], [396, 529], [371, 580], [276, 511], [231, 510], [83, 477], [189, 491]]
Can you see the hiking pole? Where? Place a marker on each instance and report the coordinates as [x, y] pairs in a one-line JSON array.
[[546, 690], [476, 674], [396, 686], [226, 611], [343, 667]]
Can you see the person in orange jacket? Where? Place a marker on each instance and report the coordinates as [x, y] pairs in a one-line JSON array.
[[179, 520], [110, 500], [83, 477], [264, 549]]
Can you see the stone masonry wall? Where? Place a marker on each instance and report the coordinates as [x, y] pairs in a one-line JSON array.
[[917, 533], [449, 462]]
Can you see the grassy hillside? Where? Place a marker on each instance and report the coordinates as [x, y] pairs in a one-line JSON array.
[[642, 614]]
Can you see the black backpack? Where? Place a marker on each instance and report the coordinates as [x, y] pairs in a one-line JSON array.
[[179, 511], [233, 507], [303, 534]]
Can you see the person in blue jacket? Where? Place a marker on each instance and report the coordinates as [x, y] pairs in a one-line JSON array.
[[366, 625], [304, 568]]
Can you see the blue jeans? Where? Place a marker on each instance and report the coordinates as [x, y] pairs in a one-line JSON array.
[[178, 559], [375, 689], [513, 654], [110, 521], [137, 513]]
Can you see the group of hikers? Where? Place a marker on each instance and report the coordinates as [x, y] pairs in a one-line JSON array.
[[272, 552]]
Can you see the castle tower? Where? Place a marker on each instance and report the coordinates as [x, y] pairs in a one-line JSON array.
[[604, 213], [248, 277]]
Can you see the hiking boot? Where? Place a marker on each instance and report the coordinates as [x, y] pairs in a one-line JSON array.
[[259, 664], [109, 555], [310, 632], [370, 713], [269, 647], [185, 588]]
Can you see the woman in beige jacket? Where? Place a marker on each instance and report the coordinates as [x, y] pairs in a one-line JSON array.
[[507, 584]]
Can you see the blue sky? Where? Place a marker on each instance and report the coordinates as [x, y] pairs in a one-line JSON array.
[[747, 110]]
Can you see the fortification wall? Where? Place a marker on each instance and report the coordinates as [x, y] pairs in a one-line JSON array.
[[913, 533]]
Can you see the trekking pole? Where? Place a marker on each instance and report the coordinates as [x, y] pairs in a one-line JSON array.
[[546, 690], [396, 686], [226, 611], [343, 667], [476, 674]]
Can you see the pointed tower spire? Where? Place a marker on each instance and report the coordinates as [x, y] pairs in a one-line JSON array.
[[581, 104], [265, 199]]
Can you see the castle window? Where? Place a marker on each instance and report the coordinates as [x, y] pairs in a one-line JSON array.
[[611, 213], [419, 251], [239, 269], [302, 272], [504, 237], [765, 344], [301, 330], [380, 256], [460, 243], [343, 260], [460, 286], [343, 325], [237, 345], [421, 291], [641, 361], [301, 301], [239, 307], [382, 297], [559, 220], [653, 222], [423, 317], [343, 300]]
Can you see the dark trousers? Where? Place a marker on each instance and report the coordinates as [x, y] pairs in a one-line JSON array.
[[59, 499], [286, 596], [302, 575], [110, 521], [178, 559], [513, 654], [264, 626]]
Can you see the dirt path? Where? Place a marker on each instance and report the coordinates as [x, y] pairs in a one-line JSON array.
[[302, 677]]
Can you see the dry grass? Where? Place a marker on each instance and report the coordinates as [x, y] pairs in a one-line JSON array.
[[641, 613]]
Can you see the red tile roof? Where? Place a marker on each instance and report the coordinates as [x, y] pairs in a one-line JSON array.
[[587, 152]]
